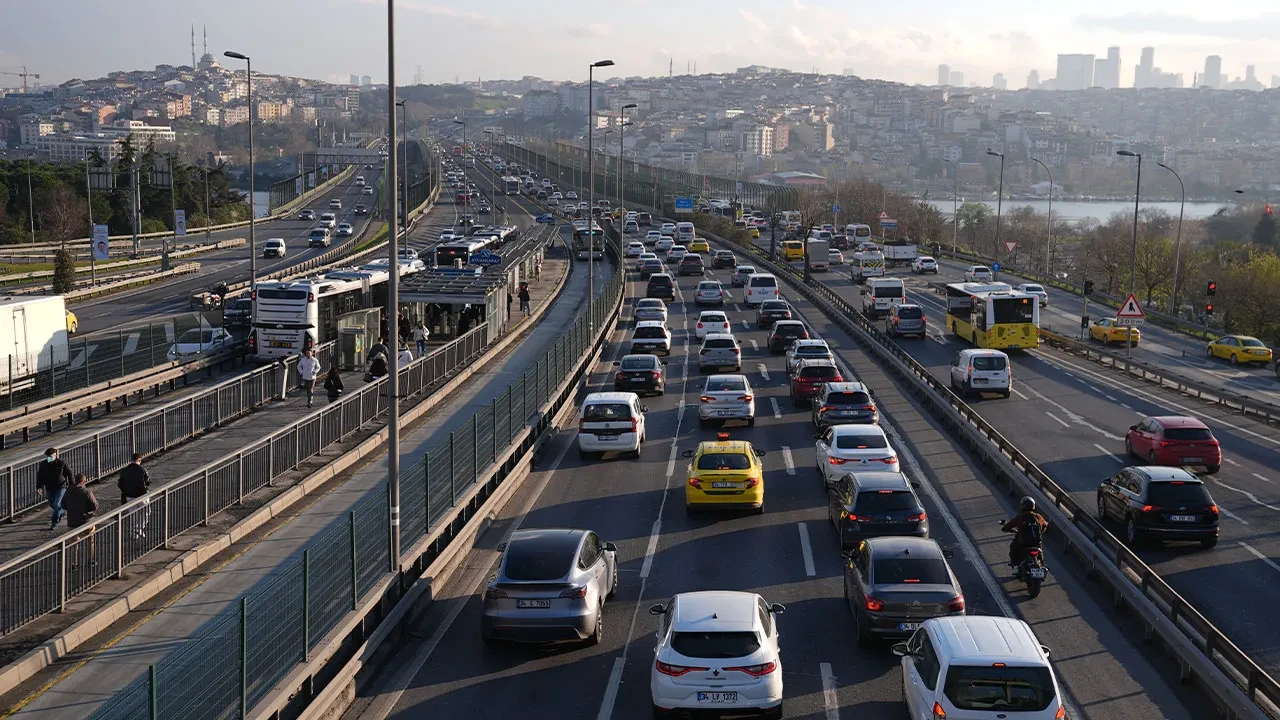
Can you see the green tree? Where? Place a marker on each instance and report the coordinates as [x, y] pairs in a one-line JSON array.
[[975, 219], [1264, 233], [64, 272]]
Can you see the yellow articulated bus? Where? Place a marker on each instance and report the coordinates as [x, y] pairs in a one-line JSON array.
[[993, 315]]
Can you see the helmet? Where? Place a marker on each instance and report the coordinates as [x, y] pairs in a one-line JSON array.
[[1028, 504]]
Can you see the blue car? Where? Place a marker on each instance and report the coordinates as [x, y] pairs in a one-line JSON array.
[[548, 218]]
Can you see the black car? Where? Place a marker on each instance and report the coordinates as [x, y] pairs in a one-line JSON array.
[[874, 504], [1159, 503], [661, 285], [639, 374], [723, 259], [770, 312], [362, 210], [784, 333], [238, 313], [905, 579], [691, 264]]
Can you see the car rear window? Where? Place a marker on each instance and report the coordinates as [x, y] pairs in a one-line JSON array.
[[647, 362], [1177, 494], [712, 317], [1032, 288], [999, 688], [859, 442], [651, 333], [533, 561], [848, 398], [659, 280], [888, 291], [718, 343], [773, 305], [926, 571], [813, 351], [822, 372], [692, 259], [726, 384], [724, 461], [715, 645], [885, 501], [789, 330], [989, 362], [909, 312], [763, 282], [606, 412], [1186, 434], [1251, 342], [649, 304]]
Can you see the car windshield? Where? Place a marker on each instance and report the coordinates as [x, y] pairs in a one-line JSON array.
[[926, 571], [196, 336], [821, 372], [885, 501], [726, 384], [989, 362], [848, 398], [718, 343], [861, 442], [606, 412], [999, 688], [715, 645], [644, 362], [724, 461], [1251, 342], [909, 312], [533, 561], [1188, 434], [1177, 494], [651, 332]]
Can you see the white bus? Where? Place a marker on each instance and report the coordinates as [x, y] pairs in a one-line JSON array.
[[512, 185]]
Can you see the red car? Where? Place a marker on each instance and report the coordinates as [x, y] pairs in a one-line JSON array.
[[810, 377], [1174, 440]]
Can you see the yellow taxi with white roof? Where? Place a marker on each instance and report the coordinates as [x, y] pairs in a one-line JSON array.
[[726, 474]]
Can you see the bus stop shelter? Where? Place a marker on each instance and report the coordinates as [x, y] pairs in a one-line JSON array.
[[459, 298]]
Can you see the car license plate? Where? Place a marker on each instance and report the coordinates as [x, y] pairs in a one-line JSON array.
[[1192, 460], [637, 379], [725, 413], [905, 627], [1037, 573], [718, 697], [281, 344], [726, 485], [979, 381], [1183, 518], [544, 604], [606, 438]]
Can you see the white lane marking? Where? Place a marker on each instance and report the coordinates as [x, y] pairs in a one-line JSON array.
[[1247, 494], [830, 700], [1061, 422], [1019, 394], [1232, 515], [777, 411], [1112, 398], [652, 547], [671, 460], [1105, 451], [737, 308], [788, 460], [1263, 478], [611, 691], [1229, 461], [806, 550], [1254, 552], [745, 325], [1127, 406], [1075, 417], [764, 371], [754, 345]]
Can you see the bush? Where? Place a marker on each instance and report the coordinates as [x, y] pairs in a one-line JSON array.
[[722, 227], [64, 272]]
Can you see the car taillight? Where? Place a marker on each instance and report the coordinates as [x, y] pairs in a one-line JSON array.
[[635, 424], [737, 351], [827, 408], [746, 398], [619, 376], [1061, 714], [1213, 509], [707, 398], [307, 341], [874, 604], [1150, 508], [656, 375], [675, 670], [836, 461], [699, 324], [751, 482], [956, 604], [938, 712], [891, 460], [870, 407], [575, 592], [756, 670], [918, 517], [253, 295], [1033, 552], [494, 594], [695, 482], [1165, 443], [582, 426], [253, 340]]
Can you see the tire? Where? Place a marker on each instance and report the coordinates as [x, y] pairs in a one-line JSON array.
[[1131, 535], [1208, 542], [1208, 351], [759, 510], [1235, 359], [1033, 588], [1212, 469], [775, 713], [598, 634], [1151, 458], [1128, 448], [751, 422], [583, 454], [1102, 513], [1006, 394], [865, 640]]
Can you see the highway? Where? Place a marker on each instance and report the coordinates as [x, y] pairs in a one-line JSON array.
[[1070, 417]]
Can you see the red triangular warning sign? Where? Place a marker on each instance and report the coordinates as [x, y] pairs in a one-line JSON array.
[[883, 215], [1010, 245], [1131, 308]]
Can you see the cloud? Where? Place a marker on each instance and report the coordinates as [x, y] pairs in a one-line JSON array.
[[798, 5], [753, 19], [1260, 27], [473, 18], [590, 30]]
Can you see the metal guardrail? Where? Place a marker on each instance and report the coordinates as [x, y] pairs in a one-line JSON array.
[[236, 659], [1180, 623], [101, 289]]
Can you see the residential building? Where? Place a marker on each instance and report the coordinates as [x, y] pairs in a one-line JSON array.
[[758, 140], [1033, 80], [235, 115], [999, 83], [957, 79], [77, 148], [540, 103], [31, 128]]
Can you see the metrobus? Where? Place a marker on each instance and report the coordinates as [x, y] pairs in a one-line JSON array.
[[582, 241], [993, 315], [289, 317], [462, 250], [511, 185]]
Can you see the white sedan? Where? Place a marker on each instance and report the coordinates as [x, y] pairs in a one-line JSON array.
[[1037, 290], [835, 257], [849, 448], [712, 321], [345, 230], [978, 273], [199, 341]]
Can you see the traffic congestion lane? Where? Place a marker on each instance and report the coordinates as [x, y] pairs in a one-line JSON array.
[[788, 554], [1071, 420]]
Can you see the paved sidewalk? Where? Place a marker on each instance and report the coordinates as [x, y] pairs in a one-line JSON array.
[[81, 692]]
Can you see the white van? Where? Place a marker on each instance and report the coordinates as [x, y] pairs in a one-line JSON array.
[[880, 294], [685, 233], [954, 666], [359, 181], [979, 370], [610, 422], [760, 287]]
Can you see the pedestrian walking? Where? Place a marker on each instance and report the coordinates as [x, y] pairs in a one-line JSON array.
[[509, 300], [308, 369], [403, 358], [377, 367], [81, 505], [420, 335], [405, 327], [52, 479], [524, 300], [133, 483], [333, 384]]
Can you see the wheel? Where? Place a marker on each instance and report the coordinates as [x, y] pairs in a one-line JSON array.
[[598, 634], [1235, 359], [1128, 448], [1208, 542], [1212, 469], [1102, 511], [489, 642], [1006, 394], [1131, 532], [583, 454], [759, 510], [865, 639], [1209, 352], [1033, 588], [1151, 458], [703, 422], [774, 713], [751, 422]]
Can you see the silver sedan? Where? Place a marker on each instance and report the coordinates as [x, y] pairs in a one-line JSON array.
[[651, 309]]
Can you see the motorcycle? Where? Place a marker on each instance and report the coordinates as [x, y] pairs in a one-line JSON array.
[[1032, 569]]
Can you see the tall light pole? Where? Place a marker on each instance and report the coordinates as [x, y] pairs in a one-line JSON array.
[[492, 174], [884, 186], [955, 202], [88, 189], [393, 306], [622, 187], [404, 183], [999, 197], [1133, 257], [463, 124], [1048, 243], [591, 191], [1177, 244], [248, 73]]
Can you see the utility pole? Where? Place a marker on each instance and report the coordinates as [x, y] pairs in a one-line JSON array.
[[393, 307]]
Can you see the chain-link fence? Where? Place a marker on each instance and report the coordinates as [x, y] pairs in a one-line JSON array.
[[235, 659]]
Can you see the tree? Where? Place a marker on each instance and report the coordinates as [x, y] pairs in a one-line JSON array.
[[1264, 233], [975, 219], [64, 272], [62, 215]]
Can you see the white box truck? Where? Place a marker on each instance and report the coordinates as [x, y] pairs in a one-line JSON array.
[[818, 250], [899, 253], [33, 336]]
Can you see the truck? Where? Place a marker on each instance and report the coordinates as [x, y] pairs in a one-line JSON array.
[[33, 332], [898, 252], [818, 251], [866, 264]]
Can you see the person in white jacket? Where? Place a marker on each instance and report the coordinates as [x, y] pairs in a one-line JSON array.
[[420, 335], [308, 369], [404, 358]]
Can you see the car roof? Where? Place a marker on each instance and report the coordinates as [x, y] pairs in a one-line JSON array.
[[745, 267], [1159, 473], [904, 545], [716, 611], [704, 313], [849, 430], [787, 323], [720, 336], [612, 396], [846, 386], [634, 356], [809, 343], [1178, 421], [651, 301], [651, 323], [984, 639], [983, 351], [554, 539], [818, 362], [881, 480], [720, 377]]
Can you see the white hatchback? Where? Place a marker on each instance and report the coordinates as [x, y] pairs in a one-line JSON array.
[[978, 273], [1035, 289], [852, 448], [712, 321], [664, 244], [717, 652], [652, 237], [634, 248]]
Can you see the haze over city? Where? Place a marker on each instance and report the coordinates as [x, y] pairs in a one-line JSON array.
[[451, 40]]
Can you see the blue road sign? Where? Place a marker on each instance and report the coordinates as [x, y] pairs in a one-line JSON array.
[[835, 208], [684, 203], [995, 267]]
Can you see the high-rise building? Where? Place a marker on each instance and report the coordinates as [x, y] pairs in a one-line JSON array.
[[944, 75], [998, 82], [355, 79], [957, 79], [1142, 74], [1106, 72], [366, 81], [1033, 80], [1275, 81], [1212, 77], [1251, 73], [1075, 72]]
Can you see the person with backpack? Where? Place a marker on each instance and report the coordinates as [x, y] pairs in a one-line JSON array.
[[1028, 528], [133, 483], [333, 384], [81, 505]]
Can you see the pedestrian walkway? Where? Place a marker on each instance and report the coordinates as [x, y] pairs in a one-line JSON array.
[[92, 683]]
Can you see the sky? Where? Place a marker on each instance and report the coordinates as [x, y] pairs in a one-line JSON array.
[[452, 40]]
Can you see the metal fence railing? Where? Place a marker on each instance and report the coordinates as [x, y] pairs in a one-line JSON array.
[[236, 658]]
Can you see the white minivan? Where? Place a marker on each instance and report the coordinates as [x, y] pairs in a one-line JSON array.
[[978, 667], [685, 233], [760, 287], [610, 422], [881, 294], [979, 370]]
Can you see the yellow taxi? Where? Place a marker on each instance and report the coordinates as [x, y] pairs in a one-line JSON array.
[[725, 474], [1106, 331], [699, 245], [1239, 349], [753, 231], [73, 323]]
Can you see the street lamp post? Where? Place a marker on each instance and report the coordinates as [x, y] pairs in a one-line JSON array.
[[955, 202], [622, 188], [404, 179], [591, 190], [248, 73], [884, 186], [88, 188], [999, 198], [1177, 244], [1048, 243], [393, 307], [1133, 257]]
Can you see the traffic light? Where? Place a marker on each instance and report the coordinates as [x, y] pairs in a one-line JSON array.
[[1088, 287], [1212, 288], [1208, 309]]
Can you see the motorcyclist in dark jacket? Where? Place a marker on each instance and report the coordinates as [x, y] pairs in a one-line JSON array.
[[1028, 528]]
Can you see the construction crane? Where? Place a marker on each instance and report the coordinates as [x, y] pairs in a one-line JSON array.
[[24, 75]]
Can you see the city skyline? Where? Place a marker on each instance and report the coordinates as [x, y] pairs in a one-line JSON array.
[[900, 48]]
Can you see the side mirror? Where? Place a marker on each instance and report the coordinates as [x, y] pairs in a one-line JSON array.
[[1133, 427], [817, 436], [664, 362], [948, 554], [900, 649], [657, 610], [644, 408], [502, 547], [915, 485], [862, 291], [610, 547], [616, 363], [779, 608], [1044, 649], [761, 453], [847, 554], [686, 453]]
